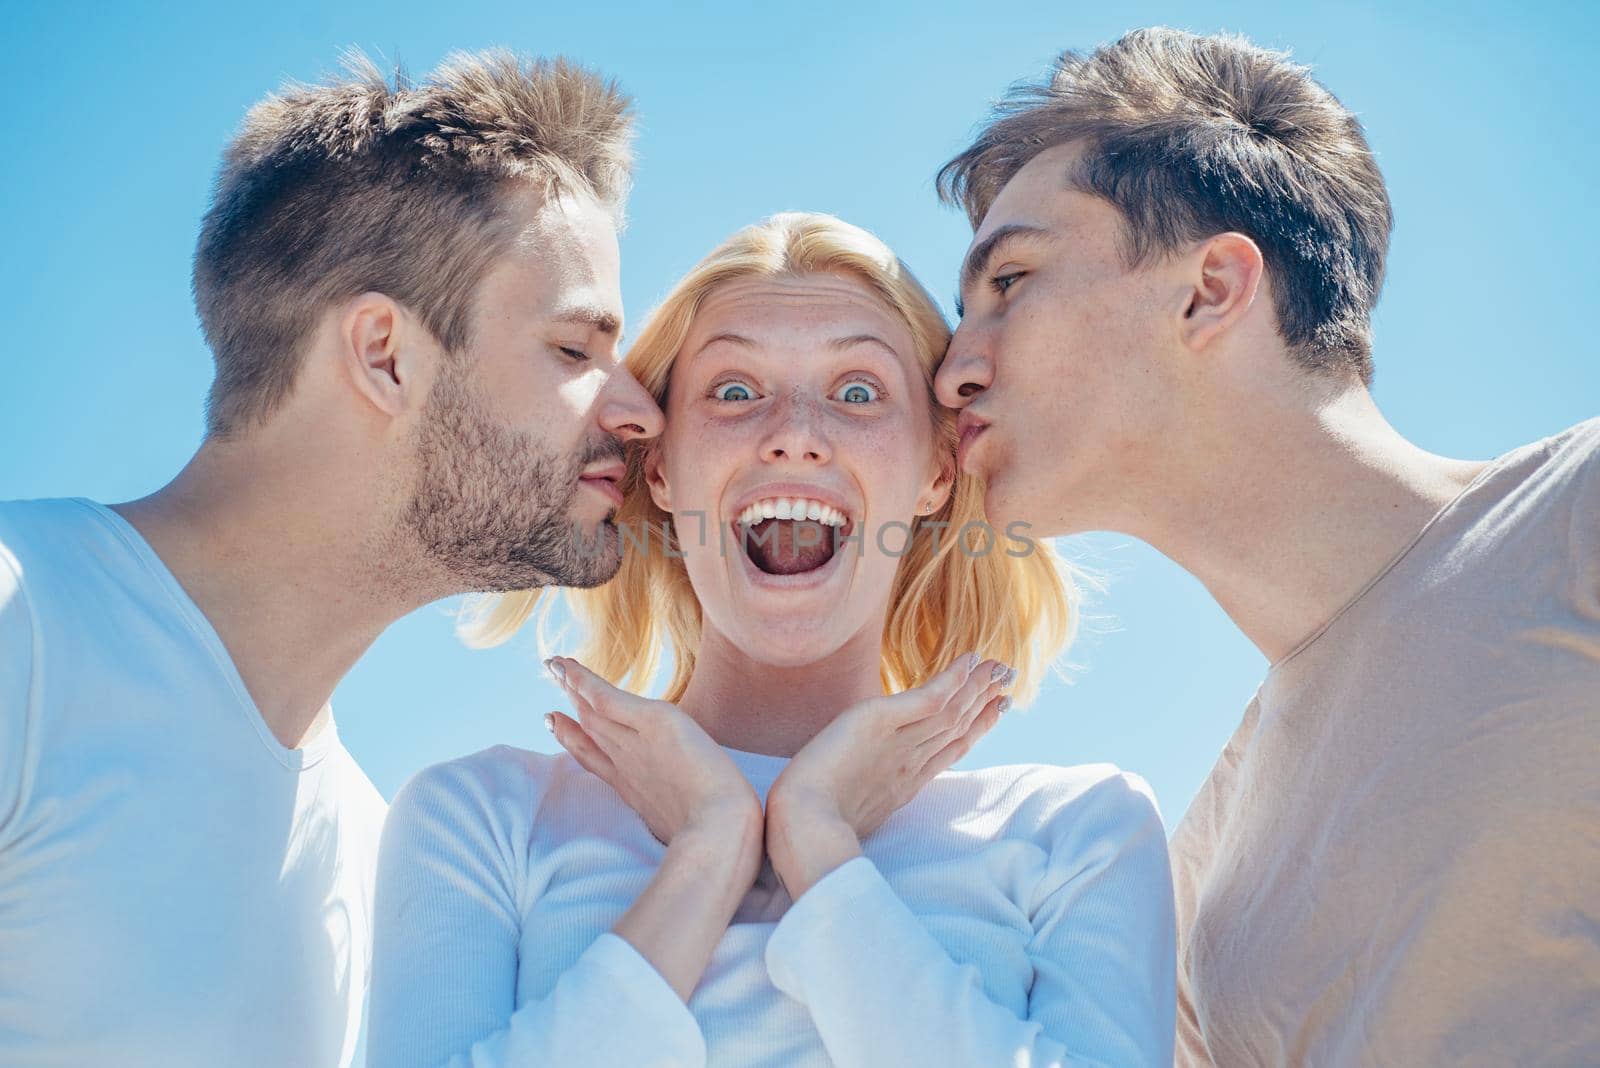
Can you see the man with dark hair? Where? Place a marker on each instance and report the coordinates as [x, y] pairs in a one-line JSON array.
[[412, 296], [1178, 244]]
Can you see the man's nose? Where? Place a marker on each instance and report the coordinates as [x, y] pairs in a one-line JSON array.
[[963, 375], [628, 411]]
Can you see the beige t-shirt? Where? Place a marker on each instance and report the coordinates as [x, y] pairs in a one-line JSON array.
[[1396, 860]]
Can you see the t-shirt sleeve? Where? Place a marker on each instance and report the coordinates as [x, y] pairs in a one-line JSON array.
[[1191, 850], [882, 990], [447, 927], [18, 702], [1583, 531]]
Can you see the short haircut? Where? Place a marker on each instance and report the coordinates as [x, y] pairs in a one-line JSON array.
[[360, 184], [1193, 136]]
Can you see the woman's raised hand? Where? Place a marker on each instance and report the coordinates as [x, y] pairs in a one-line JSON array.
[[870, 761], [661, 762], [692, 797]]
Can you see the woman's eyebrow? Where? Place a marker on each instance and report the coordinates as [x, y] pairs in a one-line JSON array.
[[885, 352], [839, 344], [732, 339]]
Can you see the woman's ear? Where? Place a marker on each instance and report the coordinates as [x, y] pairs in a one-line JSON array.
[[654, 477], [937, 492], [1225, 277]]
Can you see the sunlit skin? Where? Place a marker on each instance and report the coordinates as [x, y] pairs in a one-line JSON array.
[[792, 382], [1160, 401], [544, 352], [559, 298], [1059, 354], [807, 382], [289, 535]]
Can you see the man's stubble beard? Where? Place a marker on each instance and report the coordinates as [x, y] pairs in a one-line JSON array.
[[491, 505]]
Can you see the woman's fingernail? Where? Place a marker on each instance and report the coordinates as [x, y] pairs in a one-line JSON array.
[[1005, 704], [557, 670], [973, 660], [998, 673], [1010, 679], [550, 722]]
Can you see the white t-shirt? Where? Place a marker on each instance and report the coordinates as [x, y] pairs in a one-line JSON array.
[[176, 887], [1009, 916]]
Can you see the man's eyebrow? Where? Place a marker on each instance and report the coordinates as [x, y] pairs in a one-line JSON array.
[[978, 258], [598, 318]]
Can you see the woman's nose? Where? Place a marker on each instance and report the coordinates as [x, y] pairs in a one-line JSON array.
[[794, 434]]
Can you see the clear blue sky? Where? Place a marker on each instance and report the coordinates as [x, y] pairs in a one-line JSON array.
[[1484, 118]]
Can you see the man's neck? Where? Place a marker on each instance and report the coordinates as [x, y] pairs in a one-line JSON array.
[[762, 708], [1288, 513], [291, 572]]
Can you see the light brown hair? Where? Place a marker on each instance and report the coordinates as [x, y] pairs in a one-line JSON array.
[[359, 185], [1193, 136]]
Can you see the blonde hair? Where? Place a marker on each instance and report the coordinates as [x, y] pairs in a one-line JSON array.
[[1020, 609]]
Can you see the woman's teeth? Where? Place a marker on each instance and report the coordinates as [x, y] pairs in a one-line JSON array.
[[792, 508]]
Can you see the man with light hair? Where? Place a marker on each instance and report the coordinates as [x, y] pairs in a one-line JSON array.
[[411, 293], [1166, 332]]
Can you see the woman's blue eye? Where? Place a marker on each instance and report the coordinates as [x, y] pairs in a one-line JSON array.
[[735, 391], [859, 393]]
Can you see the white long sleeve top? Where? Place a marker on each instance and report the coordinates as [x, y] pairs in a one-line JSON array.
[[1010, 916]]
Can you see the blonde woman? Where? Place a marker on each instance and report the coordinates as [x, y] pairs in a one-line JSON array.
[[770, 864]]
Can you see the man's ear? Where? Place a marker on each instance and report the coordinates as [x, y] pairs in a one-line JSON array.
[[653, 476], [1225, 276], [381, 352]]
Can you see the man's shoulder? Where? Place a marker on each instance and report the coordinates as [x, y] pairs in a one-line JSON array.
[[36, 533], [1584, 435], [76, 561], [1580, 446], [1571, 457], [29, 519], [1551, 486]]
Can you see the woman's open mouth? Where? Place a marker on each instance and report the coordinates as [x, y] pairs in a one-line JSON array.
[[791, 535]]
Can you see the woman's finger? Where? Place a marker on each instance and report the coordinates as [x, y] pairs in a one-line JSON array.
[[610, 735], [948, 718], [912, 707], [979, 703], [579, 682], [575, 740], [594, 717], [955, 721], [990, 673], [958, 747]]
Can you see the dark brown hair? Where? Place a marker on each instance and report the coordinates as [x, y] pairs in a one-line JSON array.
[[361, 185], [1194, 136]]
